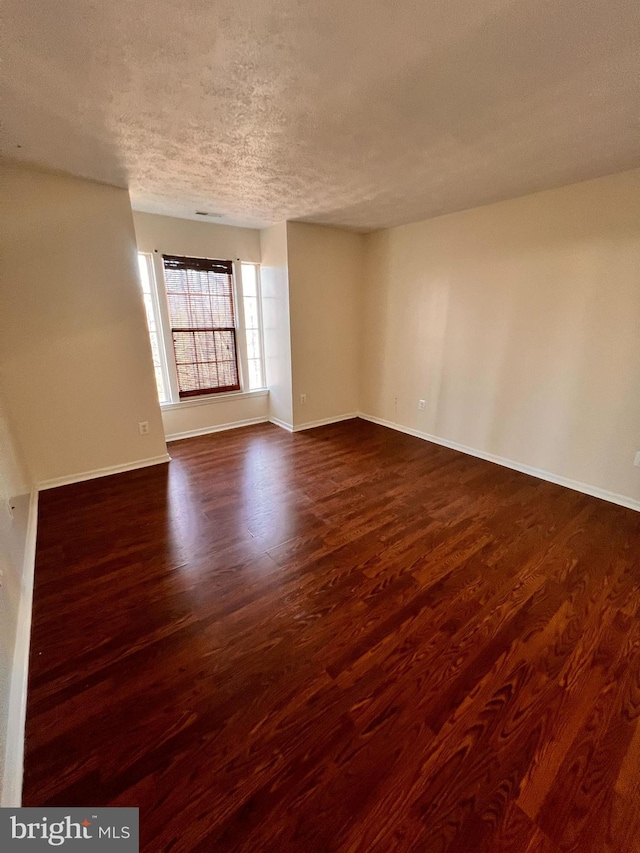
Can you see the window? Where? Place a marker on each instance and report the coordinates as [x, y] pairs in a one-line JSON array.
[[151, 308], [205, 328], [253, 325], [203, 324]]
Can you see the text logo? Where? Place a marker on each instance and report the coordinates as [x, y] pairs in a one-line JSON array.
[[100, 829]]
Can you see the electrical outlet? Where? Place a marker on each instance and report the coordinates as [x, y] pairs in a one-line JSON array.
[[303, 398], [636, 461], [421, 405], [143, 427]]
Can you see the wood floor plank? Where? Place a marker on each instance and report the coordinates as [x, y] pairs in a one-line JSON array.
[[345, 639]]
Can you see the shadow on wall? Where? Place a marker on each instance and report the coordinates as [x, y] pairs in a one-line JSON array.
[[517, 324], [526, 377]]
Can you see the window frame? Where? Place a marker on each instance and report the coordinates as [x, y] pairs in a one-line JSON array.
[[163, 323], [191, 263], [159, 322], [263, 364], [241, 332]]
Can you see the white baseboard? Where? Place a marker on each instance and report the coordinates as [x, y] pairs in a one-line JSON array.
[[191, 433], [585, 488], [325, 422], [281, 424], [17, 705], [312, 424], [102, 472]]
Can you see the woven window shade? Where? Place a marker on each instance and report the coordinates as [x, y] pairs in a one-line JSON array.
[[200, 300]]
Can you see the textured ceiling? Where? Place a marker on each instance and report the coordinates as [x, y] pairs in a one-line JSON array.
[[362, 114]]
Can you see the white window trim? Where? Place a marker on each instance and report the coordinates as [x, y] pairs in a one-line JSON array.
[[163, 323], [207, 399], [161, 293], [159, 320], [241, 332], [263, 362]]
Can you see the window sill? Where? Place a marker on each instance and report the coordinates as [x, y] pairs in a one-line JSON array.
[[227, 397]]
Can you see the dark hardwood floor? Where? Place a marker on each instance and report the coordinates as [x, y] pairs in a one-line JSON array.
[[345, 639]]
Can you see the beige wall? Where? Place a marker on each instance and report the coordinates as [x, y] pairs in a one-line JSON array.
[[168, 235], [325, 276], [276, 321], [221, 413], [519, 325], [311, 289], [196, 239], [75, 359]]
